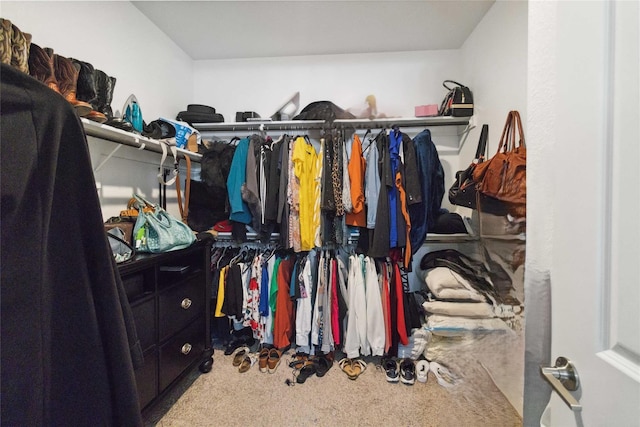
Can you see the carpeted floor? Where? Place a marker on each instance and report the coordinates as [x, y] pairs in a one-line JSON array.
[[225, 397]]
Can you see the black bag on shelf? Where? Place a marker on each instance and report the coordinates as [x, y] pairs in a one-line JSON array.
[[323, 110], [458, 102], [197, 113]]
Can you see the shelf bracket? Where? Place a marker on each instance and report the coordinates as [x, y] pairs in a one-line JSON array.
[[465, 135], [102, 163]]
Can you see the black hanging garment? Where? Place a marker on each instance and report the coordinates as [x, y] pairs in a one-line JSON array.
[[66, 344]]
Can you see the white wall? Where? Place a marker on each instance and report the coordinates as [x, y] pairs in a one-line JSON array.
[[118, 39], [494, 60], [399, 80]]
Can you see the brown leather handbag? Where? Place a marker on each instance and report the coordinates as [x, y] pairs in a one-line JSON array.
[[504, 176], [132, 211]]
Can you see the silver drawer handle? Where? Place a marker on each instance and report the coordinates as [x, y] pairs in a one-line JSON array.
[[186, 349], [186, 303]]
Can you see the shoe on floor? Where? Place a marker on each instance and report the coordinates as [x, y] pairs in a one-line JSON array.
[[273, 360], [443, 375], [298, 360], [391, 371], [247, 362], [422, 370], [307, 370], [239, 356], [352, 367], [323, 364], [263, 358], [408, 371]]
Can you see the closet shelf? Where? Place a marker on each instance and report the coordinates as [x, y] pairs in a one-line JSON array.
[[402, 122], [261, 125], [120, 136], [340, 123]]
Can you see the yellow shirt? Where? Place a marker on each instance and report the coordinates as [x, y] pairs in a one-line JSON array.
[[304, 159], [220, 300]]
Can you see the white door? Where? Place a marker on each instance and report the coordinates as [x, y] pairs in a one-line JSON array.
[[595, 267]]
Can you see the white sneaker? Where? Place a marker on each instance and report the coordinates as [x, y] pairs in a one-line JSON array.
[[422, 370], [445, 377]]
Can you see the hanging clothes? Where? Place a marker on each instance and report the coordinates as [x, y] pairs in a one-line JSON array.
[[283, 321], [237, 177], [380, 241], [375, 315], [424, 213], [250, 190], [317, 196], [357, 169], [283, 205], [304, 308], [372, 184], [304, 158], [293, 199], [356, 338]]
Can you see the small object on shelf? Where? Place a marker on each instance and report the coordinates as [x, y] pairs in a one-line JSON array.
[[430, 110], [174, 268]]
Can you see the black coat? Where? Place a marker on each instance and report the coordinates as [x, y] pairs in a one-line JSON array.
[[66, 351]]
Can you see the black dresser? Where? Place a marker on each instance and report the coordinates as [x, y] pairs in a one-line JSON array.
[[169, 295]]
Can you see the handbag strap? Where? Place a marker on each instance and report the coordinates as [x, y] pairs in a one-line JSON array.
[[444, 83], [184, 212], [174, 152], [482, 144], [508, 138], [142, 202], [124, 242]]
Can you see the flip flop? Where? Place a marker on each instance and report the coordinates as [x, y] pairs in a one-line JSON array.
[[352, 367], [247, 363], [308, 369], [357, 367], [239, 356], [323, 364]]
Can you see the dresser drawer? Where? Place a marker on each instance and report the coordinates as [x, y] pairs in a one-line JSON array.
[[181, 351], [181, 304], [147, 378], [144, 315]]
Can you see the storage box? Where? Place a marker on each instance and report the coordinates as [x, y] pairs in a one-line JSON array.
[[426, 110]]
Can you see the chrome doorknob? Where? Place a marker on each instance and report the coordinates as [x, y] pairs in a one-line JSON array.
[[564, 378]]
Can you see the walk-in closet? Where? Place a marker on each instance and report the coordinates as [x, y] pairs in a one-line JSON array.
[[330, 279]]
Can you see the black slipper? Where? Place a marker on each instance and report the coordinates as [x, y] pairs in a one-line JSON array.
[[323, 364], [306, 371]]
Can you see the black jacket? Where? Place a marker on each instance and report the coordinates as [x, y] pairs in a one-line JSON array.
[[66, 349]]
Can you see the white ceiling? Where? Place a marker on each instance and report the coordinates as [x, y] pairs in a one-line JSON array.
[[269, 28]]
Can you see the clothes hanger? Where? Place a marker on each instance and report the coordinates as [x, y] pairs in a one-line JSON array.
[[374, 139]]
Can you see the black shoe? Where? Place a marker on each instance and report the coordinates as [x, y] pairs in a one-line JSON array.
[[323, 364], [390, 366], [408, 371], [241, 341], [306, 371]]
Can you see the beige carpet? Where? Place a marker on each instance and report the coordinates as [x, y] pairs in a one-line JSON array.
[[225, 397]]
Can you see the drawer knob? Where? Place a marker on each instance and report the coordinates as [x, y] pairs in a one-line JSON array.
[[186, 349], [186, 303]]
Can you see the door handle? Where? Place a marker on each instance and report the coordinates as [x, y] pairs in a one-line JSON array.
[[563, 377]]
